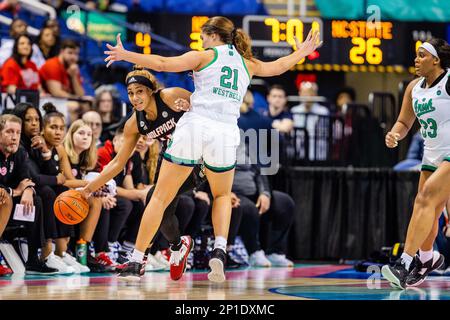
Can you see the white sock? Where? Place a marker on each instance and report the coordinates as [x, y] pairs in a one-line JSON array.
[[425, 255], [220, 243], [137, 256], [407, 259], [128, 246]]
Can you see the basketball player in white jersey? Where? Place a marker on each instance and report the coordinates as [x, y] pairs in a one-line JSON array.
[[427, 98], [208, 133]]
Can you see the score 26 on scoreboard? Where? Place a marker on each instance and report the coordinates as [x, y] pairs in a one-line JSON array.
[[347, 44]]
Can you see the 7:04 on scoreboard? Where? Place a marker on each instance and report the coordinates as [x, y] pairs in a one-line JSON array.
[[276, 35]]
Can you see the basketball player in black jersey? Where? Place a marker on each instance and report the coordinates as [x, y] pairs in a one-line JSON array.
[[156, 114]]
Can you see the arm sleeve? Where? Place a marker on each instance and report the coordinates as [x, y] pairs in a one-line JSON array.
[[38, 178], [262, 183]]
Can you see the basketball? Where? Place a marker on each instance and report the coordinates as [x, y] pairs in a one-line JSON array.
[[70, 207]]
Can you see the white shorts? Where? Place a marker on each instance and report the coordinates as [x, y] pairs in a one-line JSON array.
[[433, 158], [198, 138]]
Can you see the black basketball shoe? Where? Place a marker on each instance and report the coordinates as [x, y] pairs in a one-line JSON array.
[[39, 267], [217, 264], [422, 270], [132, 271], [396, 274]]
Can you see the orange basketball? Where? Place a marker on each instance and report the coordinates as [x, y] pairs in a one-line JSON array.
[[70, 207]]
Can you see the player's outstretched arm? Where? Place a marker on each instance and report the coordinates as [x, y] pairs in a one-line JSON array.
[[117, 164], [188, 61], [281, 65], [405, 119]]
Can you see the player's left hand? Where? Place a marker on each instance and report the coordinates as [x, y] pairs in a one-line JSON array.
[[115, 53], [182, 104]]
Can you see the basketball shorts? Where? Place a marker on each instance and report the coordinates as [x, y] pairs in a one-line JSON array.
[[433, 158], [199, 139]]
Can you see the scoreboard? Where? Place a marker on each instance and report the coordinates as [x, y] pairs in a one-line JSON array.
[[348, 45]]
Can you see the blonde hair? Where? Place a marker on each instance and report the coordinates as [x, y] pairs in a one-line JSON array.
[[88, 158], [224, 27], [9, 117], [140, 71]]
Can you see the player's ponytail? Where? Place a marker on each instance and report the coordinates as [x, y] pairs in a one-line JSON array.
[[443, 51], [227, 33], [243, 45]]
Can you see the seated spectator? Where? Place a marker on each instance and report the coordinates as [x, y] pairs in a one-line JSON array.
[[15, 178], [278, 113], [264, 212], [93, 119], [49, 183], [54, 25], [78, 158], [19, 72], [413, 159], [104, 105], [61, 74], [18, 27], [61, 78], [343, 97], [250, 119], [47, 47], [306, 116]]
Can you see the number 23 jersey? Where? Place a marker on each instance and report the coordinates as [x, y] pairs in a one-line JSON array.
[[432, 108]]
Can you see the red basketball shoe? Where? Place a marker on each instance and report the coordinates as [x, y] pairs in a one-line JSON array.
[[178, 259]]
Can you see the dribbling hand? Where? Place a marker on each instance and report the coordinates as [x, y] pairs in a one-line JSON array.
[[391, 139], [115, 53]]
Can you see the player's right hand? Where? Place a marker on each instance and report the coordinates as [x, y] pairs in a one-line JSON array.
[[391, 139]]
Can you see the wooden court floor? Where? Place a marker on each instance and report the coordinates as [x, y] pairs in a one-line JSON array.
[[325, 282]]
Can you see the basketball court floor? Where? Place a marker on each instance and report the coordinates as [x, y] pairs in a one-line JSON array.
[[323, 282]]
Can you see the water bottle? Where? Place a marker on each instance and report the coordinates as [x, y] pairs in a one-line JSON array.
[[81, 250]]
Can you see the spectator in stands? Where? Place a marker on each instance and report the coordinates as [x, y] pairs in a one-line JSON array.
[[61, 74], [343, 97], [278, 113], [47, 46], [15, 178], [54, 25], [18, 27], [19, 72], [93, 119], [49, 183], [413, 159], [78, 159], [61, 78], [307, 116], [265, 212], [104, 105]]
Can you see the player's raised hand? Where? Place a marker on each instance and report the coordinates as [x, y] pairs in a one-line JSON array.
[[115, 53], [311, 43], [391, 139]]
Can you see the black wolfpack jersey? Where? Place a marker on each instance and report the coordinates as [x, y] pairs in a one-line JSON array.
[[163, 126]]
